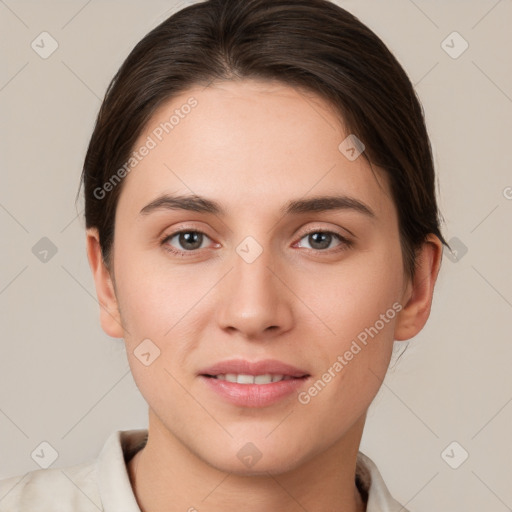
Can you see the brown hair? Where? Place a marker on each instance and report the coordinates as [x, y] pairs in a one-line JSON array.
[[314, 45]]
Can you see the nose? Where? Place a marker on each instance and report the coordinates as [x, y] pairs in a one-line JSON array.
[[254, 301]]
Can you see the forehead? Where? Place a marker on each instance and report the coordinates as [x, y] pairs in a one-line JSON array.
[[248, 142]]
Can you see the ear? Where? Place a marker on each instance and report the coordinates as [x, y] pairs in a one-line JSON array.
[[417, 298], [110, 317]]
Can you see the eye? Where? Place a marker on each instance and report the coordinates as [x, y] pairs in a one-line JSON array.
[[322, 240], [188, 241], [184, 241]]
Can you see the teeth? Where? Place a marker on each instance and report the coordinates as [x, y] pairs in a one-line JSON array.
[[252, 379], [265, 379], [245, 379]]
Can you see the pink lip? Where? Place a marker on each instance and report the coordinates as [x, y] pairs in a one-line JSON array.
[[253, 395], [242, 366]]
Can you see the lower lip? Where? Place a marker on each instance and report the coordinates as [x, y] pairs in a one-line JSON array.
[[254, 395]]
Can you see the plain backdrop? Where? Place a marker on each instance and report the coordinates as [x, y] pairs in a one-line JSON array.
[[64, 382]]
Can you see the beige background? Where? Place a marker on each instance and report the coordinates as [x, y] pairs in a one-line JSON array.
[[65, 382]]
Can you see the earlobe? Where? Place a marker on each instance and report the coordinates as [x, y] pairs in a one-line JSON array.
[[110, 318], [417, 299]]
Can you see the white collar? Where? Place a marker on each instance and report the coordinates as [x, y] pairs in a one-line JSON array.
[[117, 493]]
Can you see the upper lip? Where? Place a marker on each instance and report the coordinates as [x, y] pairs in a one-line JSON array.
[[244, 367]]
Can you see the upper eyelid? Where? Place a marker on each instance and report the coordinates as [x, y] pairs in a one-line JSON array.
[[323, 230], [196, 230], [313, 229]]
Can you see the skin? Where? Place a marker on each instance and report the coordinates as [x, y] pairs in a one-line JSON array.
[[253, 146]]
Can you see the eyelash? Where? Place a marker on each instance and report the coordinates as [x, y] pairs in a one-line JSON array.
[[344, 245]]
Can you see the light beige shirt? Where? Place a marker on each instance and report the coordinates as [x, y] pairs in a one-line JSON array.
[[104, 484]]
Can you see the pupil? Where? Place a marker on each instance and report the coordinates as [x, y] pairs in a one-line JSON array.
[[321, 239], [190, 240]]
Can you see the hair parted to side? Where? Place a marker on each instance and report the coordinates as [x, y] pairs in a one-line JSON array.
[[313, 45]]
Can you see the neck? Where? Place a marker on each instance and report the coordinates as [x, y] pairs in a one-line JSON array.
[[167, 477]]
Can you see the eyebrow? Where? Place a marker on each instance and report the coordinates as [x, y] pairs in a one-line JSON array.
[[200, 204]]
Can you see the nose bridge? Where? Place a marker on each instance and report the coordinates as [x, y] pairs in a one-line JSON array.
[[253, 299], [254, 277]]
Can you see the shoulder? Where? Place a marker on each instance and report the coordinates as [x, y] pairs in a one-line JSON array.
[[100, 484], [56, 489]]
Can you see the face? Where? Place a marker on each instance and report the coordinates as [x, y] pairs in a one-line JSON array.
[[289, 265]]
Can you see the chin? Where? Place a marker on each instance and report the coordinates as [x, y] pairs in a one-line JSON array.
[[256, 459]]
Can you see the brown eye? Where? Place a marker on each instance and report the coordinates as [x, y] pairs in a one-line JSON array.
[[322, 240], [185, 240]]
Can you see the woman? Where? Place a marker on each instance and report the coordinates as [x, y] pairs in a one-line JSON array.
[[261, 227]]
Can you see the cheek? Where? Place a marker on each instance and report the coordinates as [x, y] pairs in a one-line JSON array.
[[352, 297], [358, 306], [155, 298], [166, 305], [353, 364], [157, 308]]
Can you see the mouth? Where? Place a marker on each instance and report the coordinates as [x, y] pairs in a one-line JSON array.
[[265, 378], [253, 384], [242, 371]]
